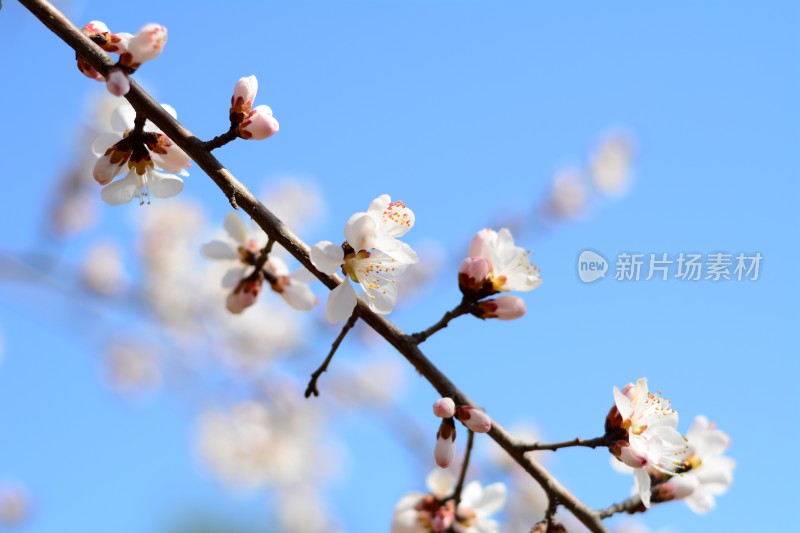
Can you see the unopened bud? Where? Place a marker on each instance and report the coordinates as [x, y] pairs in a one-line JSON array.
[[244, 93], [555, 527], [444, 408], [474, 279], [145, 45], [259, 124], [445, 450], [117, 82], [505, 307], [474, 418]]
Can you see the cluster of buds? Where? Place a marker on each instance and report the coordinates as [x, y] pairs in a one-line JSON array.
[[251, 123], [133, 50], [445, 408], [496, 265]]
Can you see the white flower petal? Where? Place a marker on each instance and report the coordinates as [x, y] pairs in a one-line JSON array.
[[492, 499], [361, 232], [121, 191], [219, 250], [236, 228], [623, 403], [341, 302], [394, 218], [164, 185], [104, 141], [299, 296], [232, 277], [122, 118], [277, 266], [327, 257], [303, 275], [440, 482], [642, 479]]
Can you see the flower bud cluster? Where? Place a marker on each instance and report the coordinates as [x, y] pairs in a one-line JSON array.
[[445, 408], [251, 123], [133, 50], [496, 265]]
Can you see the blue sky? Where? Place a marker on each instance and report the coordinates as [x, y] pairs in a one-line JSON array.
[[464, 111]]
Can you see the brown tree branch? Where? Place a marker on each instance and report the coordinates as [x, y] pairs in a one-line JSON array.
[[240, 196], [311, 388], [588, 443]]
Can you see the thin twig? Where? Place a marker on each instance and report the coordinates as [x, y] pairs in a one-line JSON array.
[[312, 383], [461, 309], [464, 465], [550, 514], [588, 443], [228, 184], [631, 506], [221, 140]]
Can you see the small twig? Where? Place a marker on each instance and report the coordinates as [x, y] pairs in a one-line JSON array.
[[138, 123], [461, 309], [221, 140], [260, 261], [550, 514], [631, 506], [312, 383], [587, 443], [464, 465]]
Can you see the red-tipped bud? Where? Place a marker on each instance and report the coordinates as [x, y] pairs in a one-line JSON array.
[[259, 124], [145, 45], [117, 82], [474, 418], [474, 277], [506, 307], [244, 94], [445, 450], [243, 296]]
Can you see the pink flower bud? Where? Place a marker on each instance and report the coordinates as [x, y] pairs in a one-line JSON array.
[[479, 247], [117, 82], [259, 124], [506, 307], [445, 450], [245, 295], [244, 93], [171, 157], [95, 27], [88, 70], [474, 279], [145, 45], [623, 451], [444, 408], [474, 419], [105, 169]]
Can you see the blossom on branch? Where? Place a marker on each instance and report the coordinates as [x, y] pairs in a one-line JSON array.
[[495, 265], [436, 510], [371, 256], [505, 307], [149, 155], [243, 249], [645, 429], [256, 124], [709, 471]]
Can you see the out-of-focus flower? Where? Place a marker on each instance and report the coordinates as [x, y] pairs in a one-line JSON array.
[[710, 472], [569, 195], [14, 505], [132, 367], [147, 154], [376, 230], [646, 431], [117, 82], [243, 249], [610, 164], [425, 513], [510, 268], [505, 307], [102, 270]]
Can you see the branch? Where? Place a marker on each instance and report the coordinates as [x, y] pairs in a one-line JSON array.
[[588, 443], [277, 230], [461, 309], [631, 506], [462, 476], [312, 383]]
